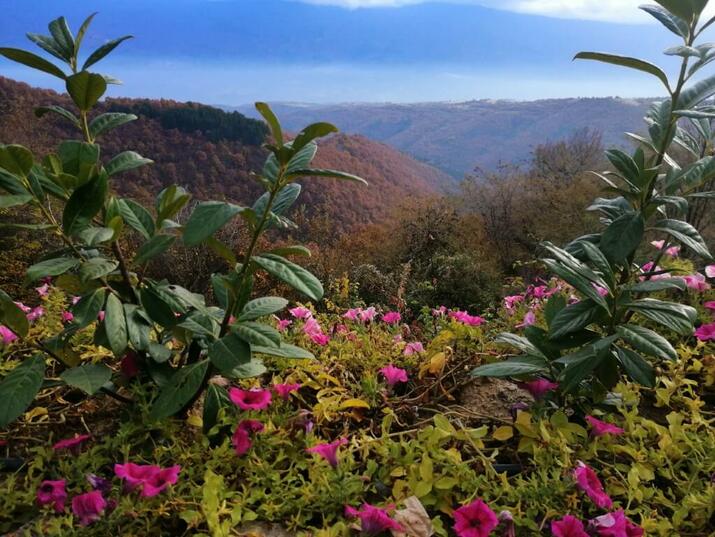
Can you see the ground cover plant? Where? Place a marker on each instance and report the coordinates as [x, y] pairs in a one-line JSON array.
[[134, 406]]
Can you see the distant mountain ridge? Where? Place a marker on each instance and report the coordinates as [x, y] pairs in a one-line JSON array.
[[459, 137]]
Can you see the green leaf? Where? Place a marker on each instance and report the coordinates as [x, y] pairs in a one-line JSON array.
[[272, 121], [658, 285], [286, 350], [106, 122], [677, 317], [137, 217], [51, 267], [13, 201], [686, 234], [84, 204], [128, 160], [115, 325], [647, 341], [261, 307], [102, 51], [92, 236], [600, 262], [514, 367], [62, 36], [19, 388], [229, 352], [206, 219], [636, 367], [294, 275], [96, 267], [183, 385], [49, 45], [554, 305], [521, 343], [87, 309], [623, 236], [673, 23], [625, 61], [62, 112], [32, 60], [82, 32], [216, 398], [12, 316], [86, 89], [291, 250], [170, 201], [251, 369], [577, 281], [312, 132], [574, 318], [696, 94], [258, 334], [319, 172], [685, 9], [157, 245], [157, 308], [16, 159], [89, 377]]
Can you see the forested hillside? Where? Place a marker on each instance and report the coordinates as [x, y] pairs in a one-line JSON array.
[[219, 160]]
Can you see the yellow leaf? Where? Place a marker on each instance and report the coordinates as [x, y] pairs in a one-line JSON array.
[[195, 421], [434, 366], [503, 433], [36, 414], [354, 403]]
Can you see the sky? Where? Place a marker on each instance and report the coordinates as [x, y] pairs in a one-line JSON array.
[[233, 52]]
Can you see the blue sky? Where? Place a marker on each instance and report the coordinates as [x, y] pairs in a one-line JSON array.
[[233, 52]]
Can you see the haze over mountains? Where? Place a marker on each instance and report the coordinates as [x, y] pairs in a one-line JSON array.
[[459, 137]]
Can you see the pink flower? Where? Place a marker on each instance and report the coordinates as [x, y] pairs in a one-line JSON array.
[[615, 524], [506, 520], [710, 305], [601, 428], [23, 307], [329, 451], [368, 315], [413, 348], [76, 299], [88, 507], [43, 290], [696, 282], [315, 332], [284, 390], [254, 399], [651, 267], [373, 520], [658, 244], [540, 387], [36, 313], [129, 366], [100, 316], [464, 318], [529, 320], [710, 271], [52, 492], [397, 338], [301, 313], [7, 336], [392, 317], [67, 317], [602, 291], [439, 312], [569, 526], [74, 444], [673, 251], [510, 302], [352, 314], [99, 483], [474, 520], [706, 332], [588, 481], [394, 375], [151, 479], [283, 324], [241, 439]]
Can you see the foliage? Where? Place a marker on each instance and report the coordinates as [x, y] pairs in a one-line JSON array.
[[175, 334], [589, 343]]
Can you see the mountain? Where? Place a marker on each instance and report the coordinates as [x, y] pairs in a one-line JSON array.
[[214, 168], [459, 137]]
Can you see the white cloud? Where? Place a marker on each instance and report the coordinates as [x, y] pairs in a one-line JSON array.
[[602, 10]]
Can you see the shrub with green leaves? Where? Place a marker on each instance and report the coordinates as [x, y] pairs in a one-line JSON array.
[[618, 326], [136, 314]]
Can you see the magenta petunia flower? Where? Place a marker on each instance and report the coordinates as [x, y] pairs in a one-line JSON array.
[[696, 282], [673, 251], [467, 319], [241, 439], [149, 478], [392, 317], [710, 305], [319, 338], [569, 526], [99, 483], [301, 313], [352, 314], [439, 312], [529, 320], [367, 315], [43, 290], [373, 520], [67, 316], [254, 399], [315, 332], [658, 244], [52, 493], [284, 390], [710, 271], [75, 299], [615, 524], [89, 507], [601, 428], [329, 451], [35, 314], [393, 375], [510, 302], [706, 332], [74, 444], [283, 324], [588, 481], [474, 520], [413, 348], [540, 387], [7, 336], [23, 307], [507, 525]]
